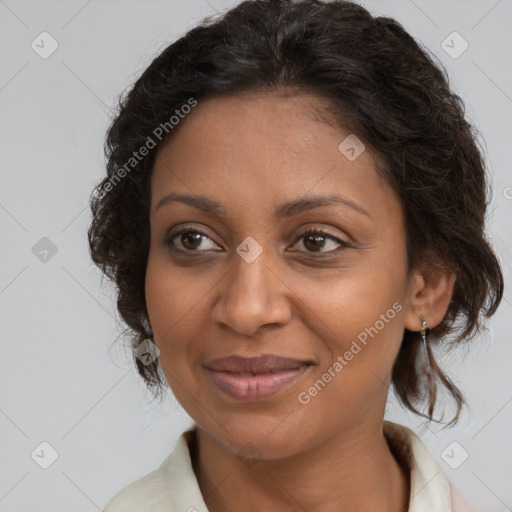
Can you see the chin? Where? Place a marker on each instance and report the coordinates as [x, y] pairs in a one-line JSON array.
[[268, 438]]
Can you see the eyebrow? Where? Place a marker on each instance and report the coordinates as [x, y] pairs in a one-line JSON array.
[[288, 209]]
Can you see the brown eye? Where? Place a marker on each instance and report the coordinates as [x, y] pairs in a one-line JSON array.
[[315, 240], [189, 239]]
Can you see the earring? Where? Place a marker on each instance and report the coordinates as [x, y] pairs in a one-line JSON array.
[[423, 330], [426, 371]]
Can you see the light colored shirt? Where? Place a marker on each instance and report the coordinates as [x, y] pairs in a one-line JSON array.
[[173, 487]]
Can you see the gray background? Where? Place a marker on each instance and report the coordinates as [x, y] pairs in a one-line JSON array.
[[65, 380]]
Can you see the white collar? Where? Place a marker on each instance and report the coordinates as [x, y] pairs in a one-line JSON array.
[[429, 488], [173, 486]]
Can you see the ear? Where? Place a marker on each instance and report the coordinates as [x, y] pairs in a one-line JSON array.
[[430, 290]]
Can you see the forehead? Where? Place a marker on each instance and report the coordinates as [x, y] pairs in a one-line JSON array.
[[252, 149]]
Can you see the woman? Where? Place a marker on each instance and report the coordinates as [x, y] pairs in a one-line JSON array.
[[293, 215]]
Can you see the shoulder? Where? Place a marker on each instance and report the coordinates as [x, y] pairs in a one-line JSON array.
[[171, 487], [458, 502], [145, 494], [430, 489]]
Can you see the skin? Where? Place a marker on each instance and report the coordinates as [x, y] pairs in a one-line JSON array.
[[251, 153]]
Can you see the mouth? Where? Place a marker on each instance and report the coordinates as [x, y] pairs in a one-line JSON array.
[[255, 378]]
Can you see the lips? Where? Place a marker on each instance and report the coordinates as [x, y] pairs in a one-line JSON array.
[[266, 363], [255, 378]]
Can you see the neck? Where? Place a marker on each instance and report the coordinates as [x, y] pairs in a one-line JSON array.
[[356, 469]]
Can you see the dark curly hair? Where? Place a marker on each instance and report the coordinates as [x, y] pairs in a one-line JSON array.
[[381, 85]]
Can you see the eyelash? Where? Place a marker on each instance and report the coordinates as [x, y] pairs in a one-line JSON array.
[[314, 231]]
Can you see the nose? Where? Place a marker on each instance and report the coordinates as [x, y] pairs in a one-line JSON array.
[[252, 295]]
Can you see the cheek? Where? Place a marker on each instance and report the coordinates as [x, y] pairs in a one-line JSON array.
[[359, 351], [345, 305], [178, 309], [170, 302], [358, 317], [171, 294]]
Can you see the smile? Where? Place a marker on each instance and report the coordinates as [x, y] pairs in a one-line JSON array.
[[250, 386]]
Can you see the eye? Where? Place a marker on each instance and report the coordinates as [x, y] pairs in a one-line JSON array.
[[314, 241], [190, 239]]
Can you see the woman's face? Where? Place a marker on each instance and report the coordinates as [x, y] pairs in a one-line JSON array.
[[249, 278]]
